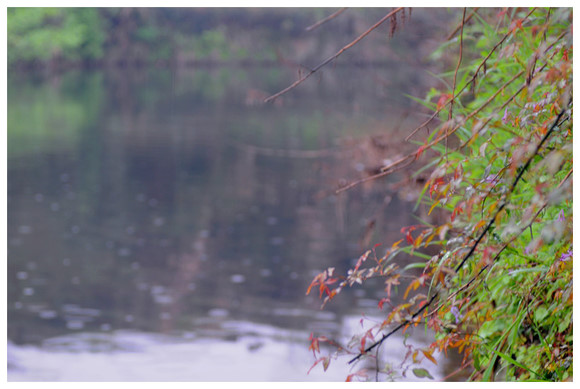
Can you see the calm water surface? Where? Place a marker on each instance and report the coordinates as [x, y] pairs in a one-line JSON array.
[[164, 225]]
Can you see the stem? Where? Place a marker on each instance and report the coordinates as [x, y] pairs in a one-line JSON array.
[[456, 70], [326, 19], [333, 57]]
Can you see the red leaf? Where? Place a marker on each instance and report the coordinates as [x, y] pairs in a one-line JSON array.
[[360, 373], [410, 238], [316, 363], [443, 100], [383, 300], [314, 346], [435, 186], [565, 54], [420, 151], [457, 211], [502, 13], [315, 281]]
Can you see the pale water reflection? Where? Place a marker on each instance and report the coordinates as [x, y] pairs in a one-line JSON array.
[[236, 351]]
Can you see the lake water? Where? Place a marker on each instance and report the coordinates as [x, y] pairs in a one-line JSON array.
[[163, 225]]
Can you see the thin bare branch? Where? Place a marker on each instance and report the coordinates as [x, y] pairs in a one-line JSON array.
[[326, 19], [465, 20], [426, 122], [333, 57], [457, 67], [397, 165], [288, 153]]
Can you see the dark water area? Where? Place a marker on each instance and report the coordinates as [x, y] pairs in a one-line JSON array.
[[151, 210]]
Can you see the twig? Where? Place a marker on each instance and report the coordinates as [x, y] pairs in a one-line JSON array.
[[289, 153], [397, 328], [461, 368], [426, 122], [465, 20], [326, 19], [377, 364], [386, 171], [333, 57], [456, 69], [455, 80]]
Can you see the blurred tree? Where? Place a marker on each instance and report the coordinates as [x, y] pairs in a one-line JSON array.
[[49, 34]]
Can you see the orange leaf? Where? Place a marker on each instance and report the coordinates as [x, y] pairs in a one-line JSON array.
[[382, 302], [429, 356], [315, 281], [432, 207], [413, 285], [429, 239], [480, 224]]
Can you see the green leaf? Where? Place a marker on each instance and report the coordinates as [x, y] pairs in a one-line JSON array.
[[418, 265], [422, 373], [325, 363], [565, 323], [507, 358], [529, 270], [409, 250], [491, 327], [540, 313]]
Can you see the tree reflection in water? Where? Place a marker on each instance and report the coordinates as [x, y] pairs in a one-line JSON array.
[[144, 203]]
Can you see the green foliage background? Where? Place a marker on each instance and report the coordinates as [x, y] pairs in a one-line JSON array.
[[45, 33], [49, 36]]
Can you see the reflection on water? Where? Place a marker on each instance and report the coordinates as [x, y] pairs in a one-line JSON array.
[[166, 218], [248, 351]]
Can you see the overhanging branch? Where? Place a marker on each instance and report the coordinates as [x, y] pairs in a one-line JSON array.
[[333, 57]]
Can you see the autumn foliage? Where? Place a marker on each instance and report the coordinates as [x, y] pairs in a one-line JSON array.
[[499, 160]]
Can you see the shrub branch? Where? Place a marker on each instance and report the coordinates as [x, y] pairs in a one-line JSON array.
[[333, 57]]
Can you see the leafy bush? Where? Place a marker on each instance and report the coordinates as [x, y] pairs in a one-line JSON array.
[[49, 33], [500, 289]]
